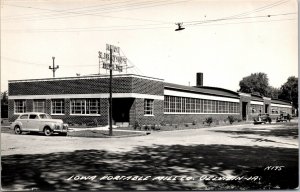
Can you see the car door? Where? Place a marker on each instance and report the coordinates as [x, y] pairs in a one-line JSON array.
[[33, 122], [23, 119]]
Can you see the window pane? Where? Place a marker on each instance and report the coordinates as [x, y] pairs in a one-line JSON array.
[[148, 106], [58, 106], [20, 106], [39, 106]]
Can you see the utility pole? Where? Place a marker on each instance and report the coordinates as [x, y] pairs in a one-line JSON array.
[[110, 91], [53, 68], [115, 63], [99, 56]]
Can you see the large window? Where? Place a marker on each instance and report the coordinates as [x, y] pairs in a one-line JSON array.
[[20, 106], [256, 108], [148, 106], [58, 106], [85, 106], [39, 106], [174, 104]]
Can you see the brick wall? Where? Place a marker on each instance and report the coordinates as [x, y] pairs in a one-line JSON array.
[[137, 113], [87, 86]]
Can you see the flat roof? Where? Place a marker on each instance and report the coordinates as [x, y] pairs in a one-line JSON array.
[[204, 90], [279, 101], [85, 77]]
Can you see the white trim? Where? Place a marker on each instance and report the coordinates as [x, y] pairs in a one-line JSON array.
[[245, 94], [278, 105], [256, 103], [148, 115], [86, 96], [177, 113], [86, 77], [267, 98], [57, 114], [199, 96], [85, 114]]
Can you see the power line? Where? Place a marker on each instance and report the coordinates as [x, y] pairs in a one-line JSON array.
[[243, 14], [145, 27], [290, 19], [42, 64], [46, 13], [93, 14], [224, 19]]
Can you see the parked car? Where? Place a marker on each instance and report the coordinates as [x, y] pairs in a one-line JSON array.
[[39, 122], [283, 117], [262, 118]]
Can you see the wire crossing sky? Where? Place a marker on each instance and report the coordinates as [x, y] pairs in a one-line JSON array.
[[225, 39]]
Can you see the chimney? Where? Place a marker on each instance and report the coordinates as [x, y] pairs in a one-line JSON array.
[[199, 82]]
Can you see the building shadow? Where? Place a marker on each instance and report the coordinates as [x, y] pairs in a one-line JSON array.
[[51, 171], [287, 132]]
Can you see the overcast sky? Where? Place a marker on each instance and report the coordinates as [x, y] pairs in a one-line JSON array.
[[225, 39]]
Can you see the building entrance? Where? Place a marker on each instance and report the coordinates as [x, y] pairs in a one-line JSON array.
[[121, 109], [244, 110]]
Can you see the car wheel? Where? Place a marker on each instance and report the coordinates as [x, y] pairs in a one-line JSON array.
[[48, 131], [18, 130]]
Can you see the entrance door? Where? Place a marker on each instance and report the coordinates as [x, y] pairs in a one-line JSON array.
[[266, 108], [120, 109], [244, 110]]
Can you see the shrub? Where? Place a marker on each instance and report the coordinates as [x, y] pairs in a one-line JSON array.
[[163, 124], [230, 119], [95, 121], [186, 124], [194, 122], [147, 127], [209, 120], [136, 125]]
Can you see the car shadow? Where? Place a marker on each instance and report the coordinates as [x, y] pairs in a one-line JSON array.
[[51, 171]]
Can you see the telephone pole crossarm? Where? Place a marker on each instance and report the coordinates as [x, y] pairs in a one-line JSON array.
[[53, 68]]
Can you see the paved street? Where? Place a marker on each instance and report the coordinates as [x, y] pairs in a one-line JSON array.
[[37, 161]]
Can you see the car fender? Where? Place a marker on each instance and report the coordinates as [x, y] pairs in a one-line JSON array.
[[50, 125], [15, 124]]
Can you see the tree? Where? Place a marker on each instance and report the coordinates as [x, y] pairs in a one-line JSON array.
[[257, 83], [4, 98], [289, 91], [273, 92]]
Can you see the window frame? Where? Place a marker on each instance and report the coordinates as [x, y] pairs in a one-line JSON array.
[[23, 106], [63, 110], [84, 107], [149, 107], [36, 103]]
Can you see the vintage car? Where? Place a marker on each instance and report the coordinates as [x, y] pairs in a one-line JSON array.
[[283, 117], [262, 118], [39, 122]]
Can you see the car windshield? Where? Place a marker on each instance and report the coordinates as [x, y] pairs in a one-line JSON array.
[[45, 116]]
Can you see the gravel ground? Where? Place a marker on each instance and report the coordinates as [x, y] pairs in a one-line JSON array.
[[37, 162]]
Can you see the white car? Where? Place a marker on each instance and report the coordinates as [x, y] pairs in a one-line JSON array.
[[39, 122]]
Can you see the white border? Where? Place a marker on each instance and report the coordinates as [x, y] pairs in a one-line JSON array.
[[198, 96], [84, 96], [174, 113], [256, 103], [278, 105]]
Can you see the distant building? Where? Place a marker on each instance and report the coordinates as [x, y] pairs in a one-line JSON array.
[[147, 100]]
